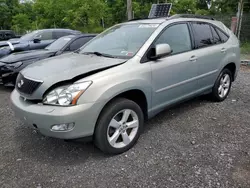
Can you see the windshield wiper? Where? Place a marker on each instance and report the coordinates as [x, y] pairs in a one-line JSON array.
[[99, 54], [77, 51]]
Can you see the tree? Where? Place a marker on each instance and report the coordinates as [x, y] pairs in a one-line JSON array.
[[21, 23]]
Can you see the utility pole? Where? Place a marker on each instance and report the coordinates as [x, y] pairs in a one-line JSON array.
[[239, 17], [129, 9]]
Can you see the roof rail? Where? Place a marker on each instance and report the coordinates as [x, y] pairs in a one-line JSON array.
[[191, 16], [146, 18]]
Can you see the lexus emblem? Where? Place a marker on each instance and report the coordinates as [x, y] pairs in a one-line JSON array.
[[19, 84]]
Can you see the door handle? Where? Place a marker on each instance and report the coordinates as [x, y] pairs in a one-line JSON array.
[[223, 50], [193, 58]]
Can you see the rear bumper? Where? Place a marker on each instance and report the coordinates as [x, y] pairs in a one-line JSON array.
[[84, 117]]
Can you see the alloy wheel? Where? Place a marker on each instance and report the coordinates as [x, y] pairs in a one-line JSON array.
[[224, 85], [123, 128]]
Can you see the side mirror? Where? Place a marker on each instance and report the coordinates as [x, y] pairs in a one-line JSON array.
[[161, 50], [36, 40]]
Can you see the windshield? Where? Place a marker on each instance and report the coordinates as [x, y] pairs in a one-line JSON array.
[[121, 41], [29, 36], [58, 44]]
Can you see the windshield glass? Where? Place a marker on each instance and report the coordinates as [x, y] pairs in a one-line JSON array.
[[59, 44], [29, 36], [121, 41]]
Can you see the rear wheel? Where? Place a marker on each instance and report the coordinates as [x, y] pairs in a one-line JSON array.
[[119, 126], [222, 86]]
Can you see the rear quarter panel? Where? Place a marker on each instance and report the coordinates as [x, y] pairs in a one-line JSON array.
[[233, 53]]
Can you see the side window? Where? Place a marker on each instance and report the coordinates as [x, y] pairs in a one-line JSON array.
[[59, 34], [45, 35], [8, 35], [178, 37], [216, 37], [222, 35], [203, 35], [79, 43], [1, 36]]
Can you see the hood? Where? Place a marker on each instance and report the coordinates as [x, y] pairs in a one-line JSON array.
[[27, 55], [12, 41], [68, 66], [65, 67]]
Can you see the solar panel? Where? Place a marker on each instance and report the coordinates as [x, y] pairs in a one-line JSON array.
[[160, 10]]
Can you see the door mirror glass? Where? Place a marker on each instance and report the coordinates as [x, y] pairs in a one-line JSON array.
[[161, 50]]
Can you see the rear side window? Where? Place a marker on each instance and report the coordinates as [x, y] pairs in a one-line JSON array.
[[222, 35], [79, 43], [59, 34], [216, 37], [178, 37], [203, 35], [45, 35]]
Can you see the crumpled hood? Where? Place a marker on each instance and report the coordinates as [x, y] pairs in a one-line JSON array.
[[27, 55], [64, 67]]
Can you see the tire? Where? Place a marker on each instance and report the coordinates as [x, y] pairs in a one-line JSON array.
[[117, 110], [216, 94]]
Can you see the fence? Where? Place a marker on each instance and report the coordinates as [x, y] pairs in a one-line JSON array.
[[244, 32], [245, 26]]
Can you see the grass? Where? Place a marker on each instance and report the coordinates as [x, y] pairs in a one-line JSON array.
[[245, 48]]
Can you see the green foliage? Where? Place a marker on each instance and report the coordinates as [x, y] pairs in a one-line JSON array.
[[87, 15], [245, 48], [21, 23]]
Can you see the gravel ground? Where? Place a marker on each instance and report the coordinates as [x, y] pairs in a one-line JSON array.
[[196, 144]]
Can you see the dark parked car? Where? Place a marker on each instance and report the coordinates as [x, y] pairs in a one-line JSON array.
[[13, 63], [38, 39], [7, 34]]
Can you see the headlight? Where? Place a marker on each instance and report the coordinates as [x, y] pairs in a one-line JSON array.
[[14, 65], [66, 95]]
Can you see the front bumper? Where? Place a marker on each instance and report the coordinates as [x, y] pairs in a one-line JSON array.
[[44, 116], [7, 76]]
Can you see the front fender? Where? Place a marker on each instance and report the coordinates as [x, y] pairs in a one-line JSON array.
[[120, 88]]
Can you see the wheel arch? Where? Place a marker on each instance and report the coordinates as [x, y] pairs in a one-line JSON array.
[[232, 67]]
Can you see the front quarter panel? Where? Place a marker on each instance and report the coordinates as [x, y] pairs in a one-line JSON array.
[[114, 81]]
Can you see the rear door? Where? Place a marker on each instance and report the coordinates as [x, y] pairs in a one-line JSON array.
[[210, 52]]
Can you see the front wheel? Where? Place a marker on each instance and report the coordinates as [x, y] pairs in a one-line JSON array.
[[222, 86], [119, 126]]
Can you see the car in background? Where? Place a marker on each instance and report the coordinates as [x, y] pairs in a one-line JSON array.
[[12, 64], [38, 39], [7, 34]]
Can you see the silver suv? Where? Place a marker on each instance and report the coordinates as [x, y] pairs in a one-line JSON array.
[[125, 75]]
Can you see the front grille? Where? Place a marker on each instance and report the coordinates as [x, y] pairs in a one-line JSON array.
[[25, 85]]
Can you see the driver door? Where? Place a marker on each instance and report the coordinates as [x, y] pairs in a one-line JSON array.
[[174, 76]]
